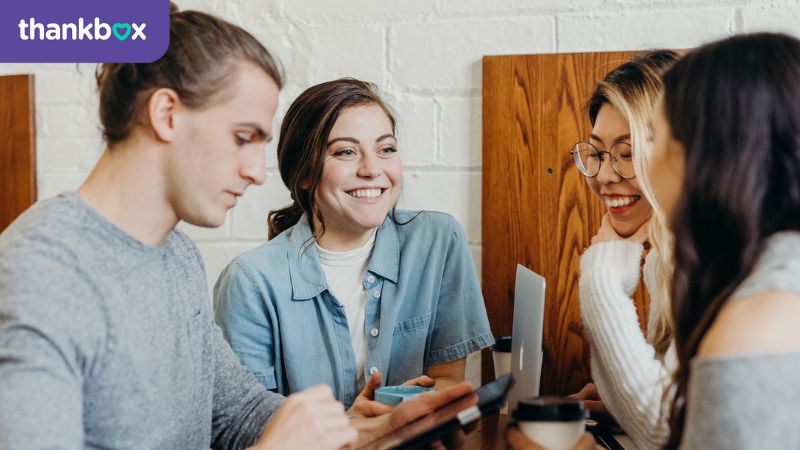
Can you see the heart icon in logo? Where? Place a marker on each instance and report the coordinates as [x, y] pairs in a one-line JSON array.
[[121, 35]]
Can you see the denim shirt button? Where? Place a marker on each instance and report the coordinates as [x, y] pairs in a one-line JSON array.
[[373, 370], [374, 332], [376, 294], [371, 279]]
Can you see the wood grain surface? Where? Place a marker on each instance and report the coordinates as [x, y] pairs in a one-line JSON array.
[[537, 209], [17, 147]]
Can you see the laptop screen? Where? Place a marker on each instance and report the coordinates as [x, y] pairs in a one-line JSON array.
[[526, 341]]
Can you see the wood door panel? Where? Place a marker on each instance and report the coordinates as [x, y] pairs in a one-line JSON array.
[[17, 147], [537, 209]]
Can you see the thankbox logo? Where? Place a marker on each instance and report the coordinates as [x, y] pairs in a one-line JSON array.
[[97, 30], [84, 31]]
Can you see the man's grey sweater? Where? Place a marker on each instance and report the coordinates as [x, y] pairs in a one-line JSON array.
[[106, 342]]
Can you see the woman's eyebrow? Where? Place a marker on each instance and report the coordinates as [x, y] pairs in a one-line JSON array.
[[624, 137], [348, 139], [385, 136], [621, 138]]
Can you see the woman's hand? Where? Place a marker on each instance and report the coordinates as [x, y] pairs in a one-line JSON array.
[[592, 401], [309, 419], [365, 404], [413, 409], [518, 441], [608, 233], [422, 380]]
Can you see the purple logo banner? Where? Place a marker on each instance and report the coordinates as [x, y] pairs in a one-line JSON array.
[[83, 30]]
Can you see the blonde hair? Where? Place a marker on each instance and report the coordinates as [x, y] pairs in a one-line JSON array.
[[633, 89]]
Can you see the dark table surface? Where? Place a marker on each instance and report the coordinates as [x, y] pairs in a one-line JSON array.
[[489, 435]]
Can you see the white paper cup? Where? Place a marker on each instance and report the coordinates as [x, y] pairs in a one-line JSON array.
[[501, 356], [555, 423], [502, 363]]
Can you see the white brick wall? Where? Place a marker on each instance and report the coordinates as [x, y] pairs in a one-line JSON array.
[[426, 57]]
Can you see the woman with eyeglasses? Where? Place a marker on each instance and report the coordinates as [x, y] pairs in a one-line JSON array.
[[630, 370]]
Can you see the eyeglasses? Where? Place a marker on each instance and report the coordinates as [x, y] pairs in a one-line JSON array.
[[589, 158]]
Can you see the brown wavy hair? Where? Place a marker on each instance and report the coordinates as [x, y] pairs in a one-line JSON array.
[[734, 105], [200, 65], [303, 141]]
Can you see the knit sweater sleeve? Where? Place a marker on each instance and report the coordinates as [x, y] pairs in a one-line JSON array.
[[630, 378]]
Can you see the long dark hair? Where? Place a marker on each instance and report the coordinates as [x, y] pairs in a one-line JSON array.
[[734, 105], [303, 140]]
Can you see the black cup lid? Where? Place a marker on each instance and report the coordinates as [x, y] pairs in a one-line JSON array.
[[549, 409], [502, 344]]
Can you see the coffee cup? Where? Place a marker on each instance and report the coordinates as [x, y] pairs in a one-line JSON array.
[[394, 395], [501, 354], [555, 423]]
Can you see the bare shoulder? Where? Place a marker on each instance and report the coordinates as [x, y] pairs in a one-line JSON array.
[[762, 323]]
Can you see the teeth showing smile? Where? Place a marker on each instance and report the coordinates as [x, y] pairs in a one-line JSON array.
[[365, 193], [617, 202]]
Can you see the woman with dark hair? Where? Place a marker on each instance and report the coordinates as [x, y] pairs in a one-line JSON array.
[[725, 168], [349, 290]]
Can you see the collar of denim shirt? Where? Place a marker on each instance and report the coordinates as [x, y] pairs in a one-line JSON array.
[[305, 271]]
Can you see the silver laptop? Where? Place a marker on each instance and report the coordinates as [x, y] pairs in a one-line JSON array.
[[526, 341]]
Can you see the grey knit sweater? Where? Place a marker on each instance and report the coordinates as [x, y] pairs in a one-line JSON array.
[[750, 401], [109, 343]]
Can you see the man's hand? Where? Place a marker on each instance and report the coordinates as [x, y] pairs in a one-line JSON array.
[[309, 419]]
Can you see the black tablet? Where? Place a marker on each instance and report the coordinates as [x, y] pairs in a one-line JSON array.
[[448, 418]]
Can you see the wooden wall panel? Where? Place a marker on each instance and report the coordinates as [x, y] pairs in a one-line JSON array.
[[537, 209], [17, 147]]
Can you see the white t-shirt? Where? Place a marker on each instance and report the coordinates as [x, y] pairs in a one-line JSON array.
[[344, 273]]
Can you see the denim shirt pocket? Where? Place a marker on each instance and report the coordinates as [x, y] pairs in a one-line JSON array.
[[413, 325]]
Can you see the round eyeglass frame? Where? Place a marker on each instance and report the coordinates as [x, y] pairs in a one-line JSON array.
[[583, 170]]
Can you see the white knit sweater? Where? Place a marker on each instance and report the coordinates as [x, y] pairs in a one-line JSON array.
[[630, 378]]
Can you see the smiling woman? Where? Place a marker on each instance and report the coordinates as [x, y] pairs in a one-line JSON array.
[[351, 291], [630, 370], [361, 177]]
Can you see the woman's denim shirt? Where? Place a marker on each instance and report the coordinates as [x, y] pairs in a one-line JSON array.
[[424, 307]]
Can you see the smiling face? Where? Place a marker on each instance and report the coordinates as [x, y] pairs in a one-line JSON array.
[[627, 207], [219, 150], [667, 163], [361, 177]]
